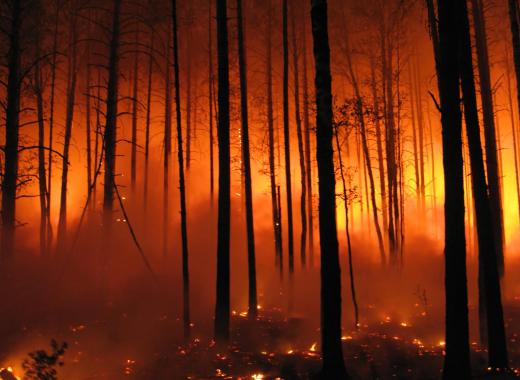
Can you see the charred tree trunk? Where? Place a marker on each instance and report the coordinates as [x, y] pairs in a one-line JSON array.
[[490, 133], [211, 96], [188, 108], [69, 118], [135, 93], [456, 360], [167, 146], [111, 117], [148, 122], [333, 362], [277, 228], [297, 116], [54, 63], [251, 260], [222, 307], [307, 131], [380, 157], [490, 301], [182, 185], [366, 152], [286, 135], [347, 231], [42, 181], [12, 131]]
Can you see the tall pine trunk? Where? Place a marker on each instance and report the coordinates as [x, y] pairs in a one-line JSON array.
[[251, 260], [286, 135], [490, 303], [222, 307], [182, 185], [456, 359], [332, 351], [69, 118], [490, 133], [111, 117], [297, 117], [277, 223]]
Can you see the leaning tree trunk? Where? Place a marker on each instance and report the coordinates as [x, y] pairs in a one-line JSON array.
[[12, 130], [111, 117], [456, 359], [490, 302], [490, 133], [222, 299], [287, 142], [333, 362], [347, 231], [182, 186], [366, 152], [251, 260]]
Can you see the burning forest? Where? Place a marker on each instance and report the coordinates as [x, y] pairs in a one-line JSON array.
[[260, 189]]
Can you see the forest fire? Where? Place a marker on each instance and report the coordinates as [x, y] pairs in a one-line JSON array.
[[246, 189]]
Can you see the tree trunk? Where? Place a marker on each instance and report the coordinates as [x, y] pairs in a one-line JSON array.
[[210, 106], [380, 157], [277, 228], [286, 135], [347, 231], [148, 123], [222, 307], [297, 116], [251, 260], [167, 146], [135, 93], [69, 118], [490, 302], [456, 359], [182, 186], [111, 117], [42, 181], [307, 131], [333, 362], [490, 134], [12, 130]]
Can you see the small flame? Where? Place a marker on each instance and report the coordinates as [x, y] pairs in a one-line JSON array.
[[313, 347]]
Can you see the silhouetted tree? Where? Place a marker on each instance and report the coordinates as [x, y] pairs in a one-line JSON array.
[[446, 49], [246, 159], [182, 185], [222, 300], [333, 362]]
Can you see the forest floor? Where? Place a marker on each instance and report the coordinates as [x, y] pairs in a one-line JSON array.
[[270, 347]]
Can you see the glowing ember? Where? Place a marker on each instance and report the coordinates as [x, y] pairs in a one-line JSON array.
[[257, 376]]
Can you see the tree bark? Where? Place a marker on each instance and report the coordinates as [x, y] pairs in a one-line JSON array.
[[490, 133], [490, 302], [287, 142], [182, 185], [456, 360], [251, 260], [222, 307], [333, 362]]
